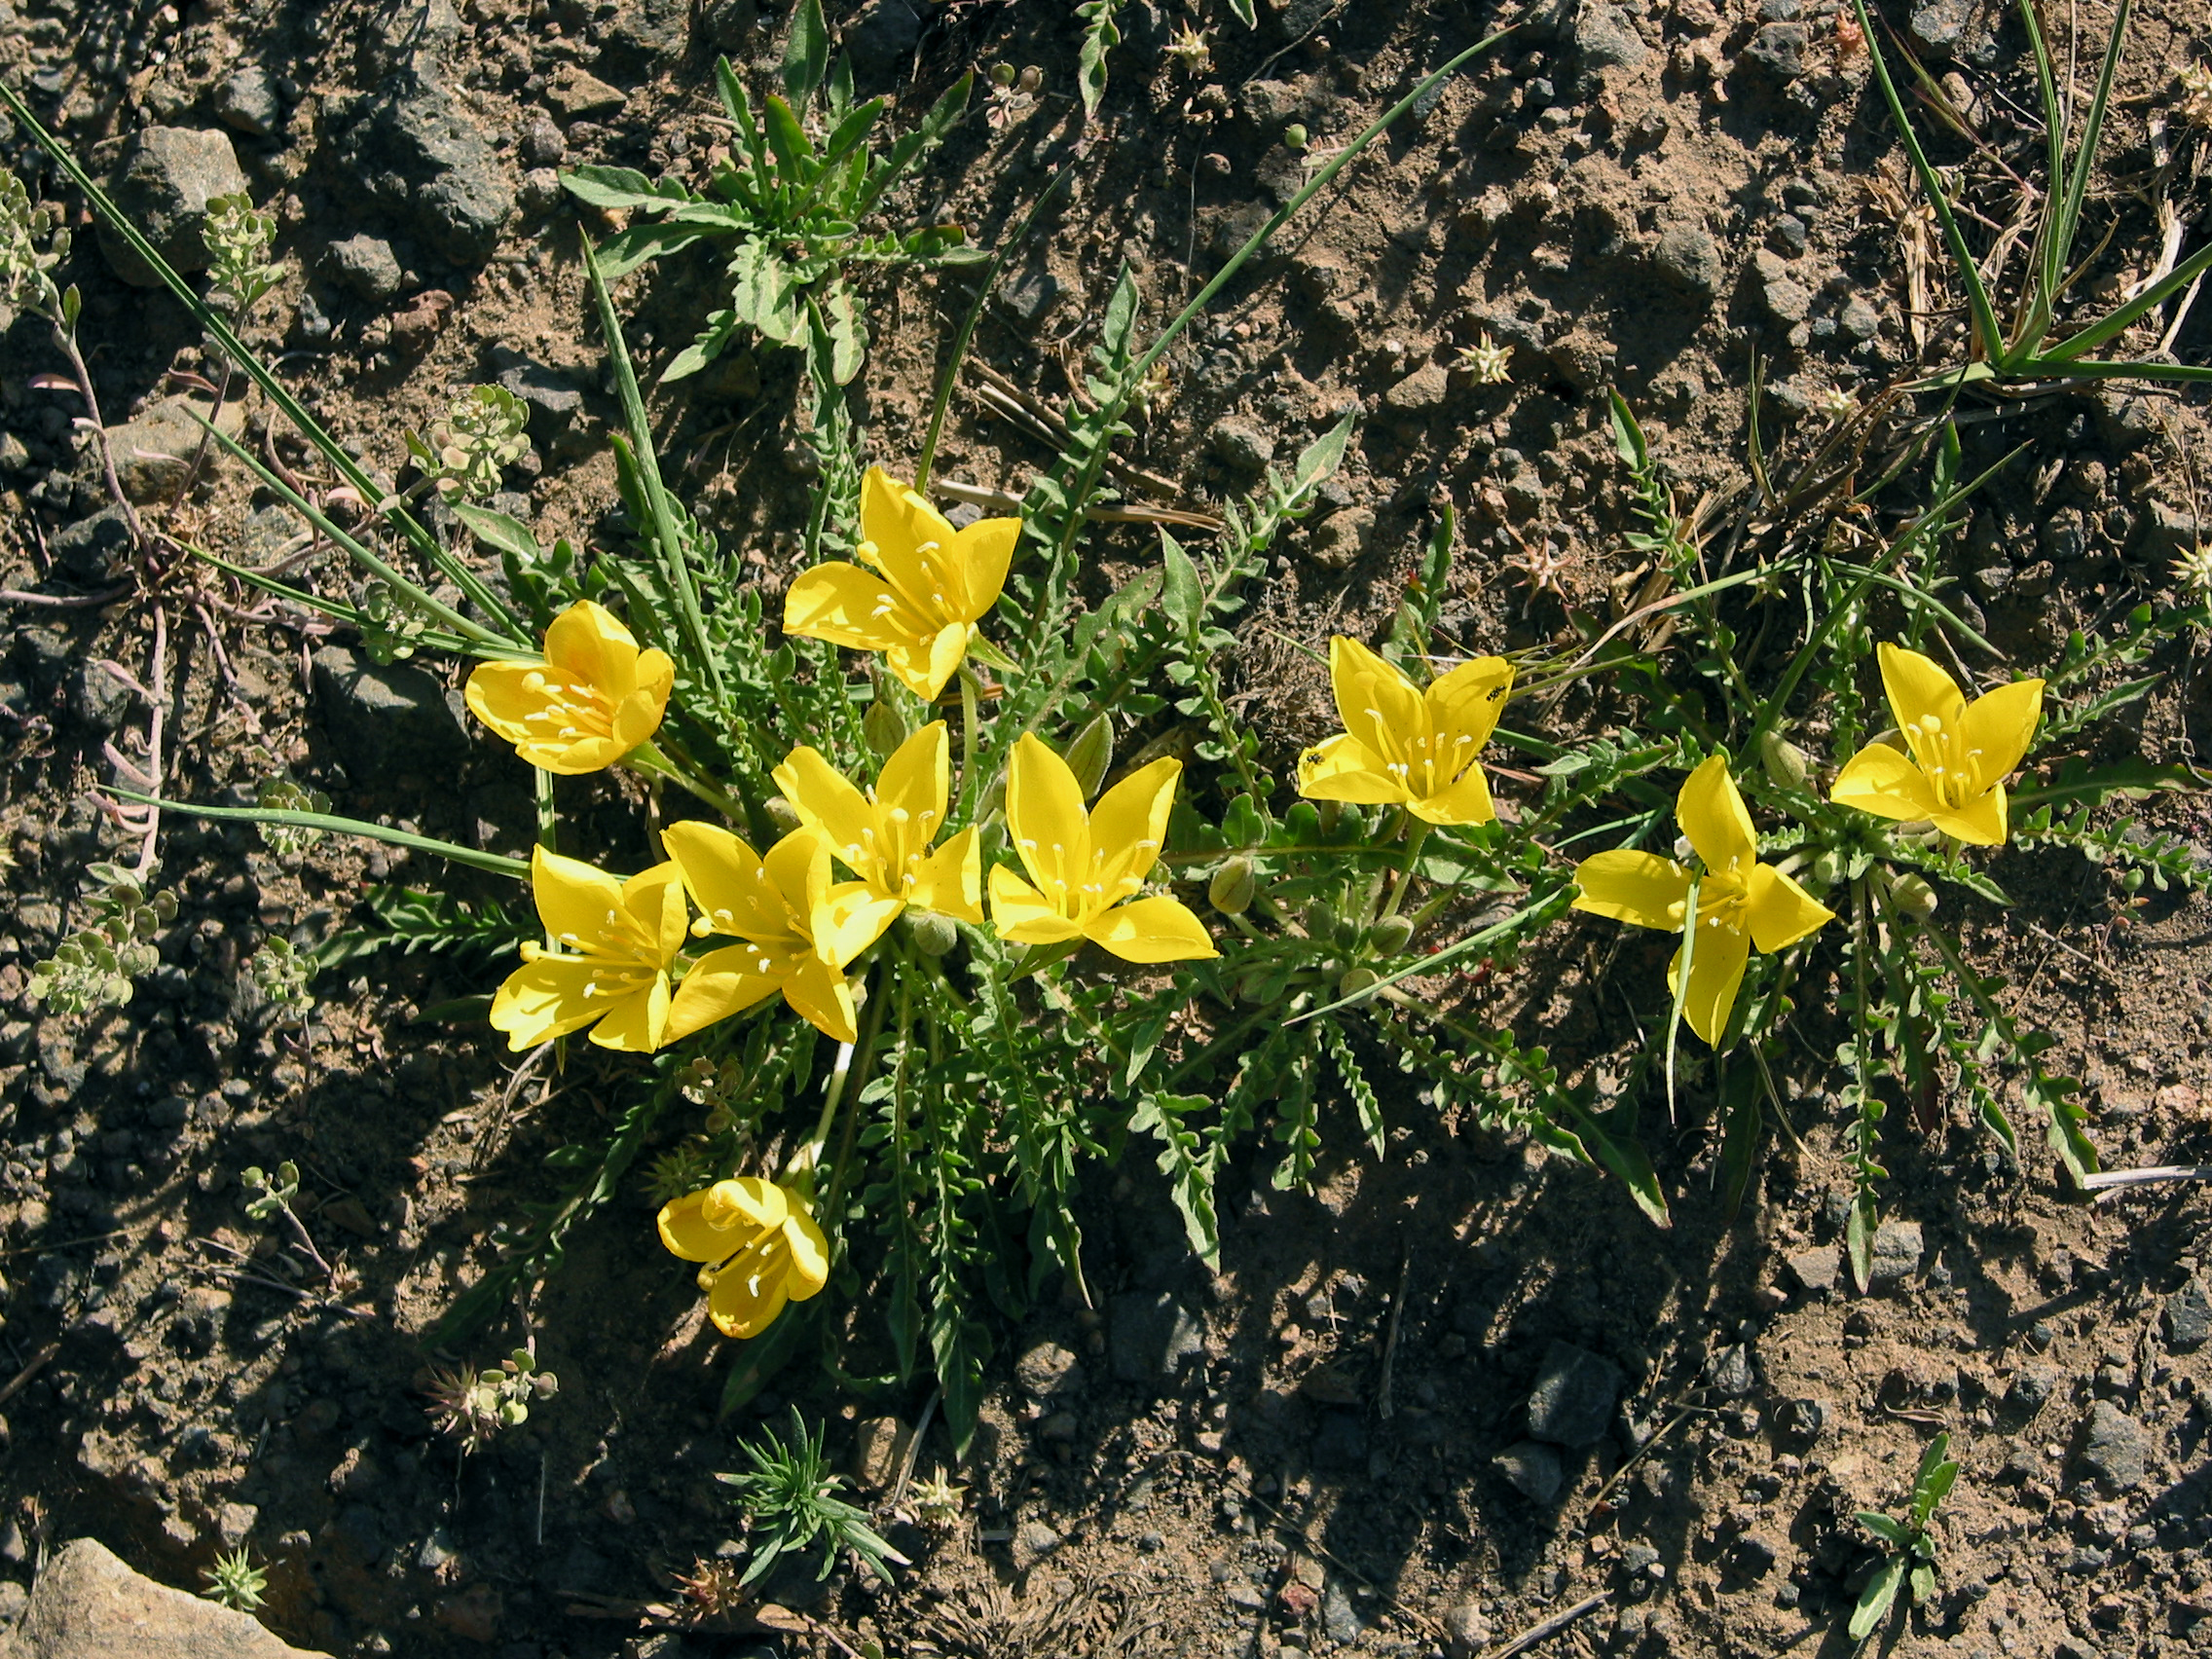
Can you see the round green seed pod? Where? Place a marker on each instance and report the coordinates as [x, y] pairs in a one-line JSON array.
[[781, 813], [933, 935], [1913, 897], [884, 727], [1294, 137], [1357, 980], [1320, 920], [1232, 886], [1827, 870], [1787, 766], [1392, 934]]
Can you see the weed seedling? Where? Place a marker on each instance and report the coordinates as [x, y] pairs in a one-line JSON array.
[[1909, 1558], [235, 1582], [475, 1406], [790, 1498]]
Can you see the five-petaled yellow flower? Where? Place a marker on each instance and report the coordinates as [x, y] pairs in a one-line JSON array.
[[1407, 747], [592, 699], [884, 837], [760, 1248], [1085, 864], [1958, 753], [924, 587], [619, 938], [1741, 902], [795, 939]]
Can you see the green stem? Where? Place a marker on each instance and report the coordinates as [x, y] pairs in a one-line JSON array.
[[968, 719], [1414, 840], [649, 760]]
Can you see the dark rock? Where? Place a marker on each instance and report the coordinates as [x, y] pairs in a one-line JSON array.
[[1152, 1338], [1731, 1371], [1895, 1253], [1800, 1421], [554, 399], [1241, 445], [1340, 1619], [1339, 1443], [1603, 40], [2113, 1448], [1421, 392], [729, 24], [247, 103], [163, 183], [576, 94], [1690, 260], [1788, 236], [1573, 1401], [2166, 532], [1818, 1269], [1938, 27], [643, 35], [1778, 51], [1047, 1370], [364, 266], [1859, 318], [386, 720], [419, 155], [1784, 299], [882, 41], [1028, 296], [94, 550], [100, 701], [2189, 1316], [1533, 1469], [542, 145], [2065, 534]]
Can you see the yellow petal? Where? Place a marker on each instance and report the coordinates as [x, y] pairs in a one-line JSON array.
[[797, 868], [851, 917], [915, 782], [950, 880], [721, 984], [726, 881], [581, 906], [1152, 930], [1884, 782], [1466, 801], [1376, 703], [826, 801], [819, 995], [1999, 728], [1918, 690], [546, 999], [1024, 915], [1343, 768], [586, 643], [637, 716], [500, 694], [809, 1252], [1468, 701], [1979, 823], [745, 1205], [1712, 815], [746, 1296], [901, 529], [925, 662], [848, 606], [1045, 817], [636, 1024], [1629, 886], [1128, 825], [655, 898], [1716, 972], [981, 554], [1779, 911], [686, 1233]]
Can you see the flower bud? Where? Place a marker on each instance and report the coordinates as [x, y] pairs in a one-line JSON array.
[[884, 727], [1320, 920], [1787, 766], [933, 935], [1827, 870], [1914, 898], [1392, 934], [1232, 886], [1294, 137], [781, 813], [1253, 986], [1090, 754], [1357, 980]]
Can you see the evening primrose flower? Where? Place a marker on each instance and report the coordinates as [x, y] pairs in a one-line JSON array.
[[924, 587], [884, 837], [1085, 864], [1741, 902], [760, 1247], [588, 702], [1407, 747], [795, 940], [619, 939], [1959, 752]]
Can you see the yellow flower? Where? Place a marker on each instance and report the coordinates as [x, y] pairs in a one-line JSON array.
[[1406, 747], [925, 588], [1959, 752], [623, 936], [795, 940], [1085, 864], [1741, 902], [760, 1248], [884, 837], [593, 698]]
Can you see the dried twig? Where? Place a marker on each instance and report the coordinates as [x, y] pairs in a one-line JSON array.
[[1551, 1627], [37, 1363]]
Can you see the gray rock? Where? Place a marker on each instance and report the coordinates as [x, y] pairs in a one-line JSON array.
[[1785, 299], [247, 103], [576, 94], [882, 41], [1466, 1633], [163, 183], [542, 145], [234, 1522], [1992, 580], [2166, 532], [1817, 1270], [2113, 1448], [1241, 443], [554, 399], [2065, 534], [97, 700], [1152, 1338], [1604, 39], [539, 192], [386, 720], [1533, 1470], [1340, 1619], [154, 452], [1574, 1399], [728, 23], [1033, 1540], [97, 549], [1731, 1371], [1690, 260], [420, 155], [88, 1604], [1778, 51], [14, 457], [2189, 1316], [364, 266], [643, 35], [1047, 1370], [1421, 392], [1895, 1253], [1938, 27], [1029, 296], [1859, 318]]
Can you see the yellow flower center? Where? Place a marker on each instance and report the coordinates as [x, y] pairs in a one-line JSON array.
[[571, 710], [1953, 770], [1721, 897]]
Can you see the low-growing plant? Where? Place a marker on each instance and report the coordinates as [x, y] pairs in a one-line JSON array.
[[474, 1407], [789, 1498], [1908, 1548], [235, 1582], [93, 967]]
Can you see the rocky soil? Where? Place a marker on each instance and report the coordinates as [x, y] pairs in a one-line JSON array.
[[1440, 1400]]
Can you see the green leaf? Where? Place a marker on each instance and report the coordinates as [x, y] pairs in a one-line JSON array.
[[806, 54], [1891, 1532], [847, 330], [793, 150], [1244, 14], [1875, 1600], [620, 186], [1100, 35], [626, 250], [1858, 1240]]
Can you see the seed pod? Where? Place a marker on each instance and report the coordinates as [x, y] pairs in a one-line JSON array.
[[1913, 897], [1357, 980], [1392, 934], [1787, 766], [1294, 137], [1827, 870], [933, 935], [1003, 74], [1232, 886], [1090, 754], [1320, 920], [884, 727], [781, 813], [1031, 80]]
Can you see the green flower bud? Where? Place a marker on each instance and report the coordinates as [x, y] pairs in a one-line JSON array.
[[1914, 898], [884, 726], [1253, 986], [781, 813], [1003, 74], [1829, 868], [933, 935], [1090, 754], [1787, 766], [1294, 137], [1392, 934], [1232, 886], [1357, 980], [1320, 920]]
